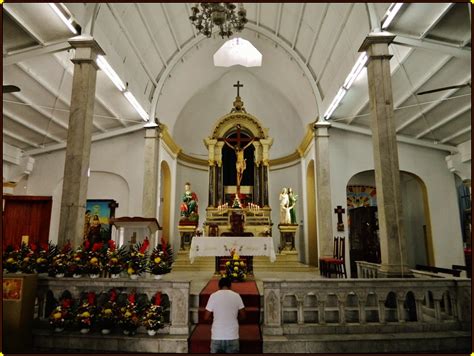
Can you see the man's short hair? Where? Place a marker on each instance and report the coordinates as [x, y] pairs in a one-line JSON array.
[[225, 282]]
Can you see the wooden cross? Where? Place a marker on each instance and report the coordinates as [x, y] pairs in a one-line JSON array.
[[239, 139], [339, 211], [238, 86]]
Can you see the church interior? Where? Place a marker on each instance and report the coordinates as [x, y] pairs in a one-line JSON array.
[[318, 154]]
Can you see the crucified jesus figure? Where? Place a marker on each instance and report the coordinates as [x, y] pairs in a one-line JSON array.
[[240, 164]]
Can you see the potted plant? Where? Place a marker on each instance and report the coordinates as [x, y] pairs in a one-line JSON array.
[[26, 258], [95, 259], [44, 256], [10, 260], [161, 260], [86, 313], [77, 263], [61, 316], [235, 268], [152, 318], [115, 259], [107, 313], [129, 319], [59, 263], [136, 259]]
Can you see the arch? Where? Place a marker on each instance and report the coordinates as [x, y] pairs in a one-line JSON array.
[[165, 195], [311, 209], [228, 122]]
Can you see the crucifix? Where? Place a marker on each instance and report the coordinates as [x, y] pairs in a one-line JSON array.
[[238, 86], [240, 163], [339, 211]]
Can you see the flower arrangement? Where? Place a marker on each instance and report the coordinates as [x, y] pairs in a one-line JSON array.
[[115, 257], [26, 258], [161, 259], [152, 318], [107, 313], [59, 263], [235, 268], [44, 256], [85, 314], [10, 259], [77, 263], [61, 316], [129, 319], [136, 259], [95, 258]]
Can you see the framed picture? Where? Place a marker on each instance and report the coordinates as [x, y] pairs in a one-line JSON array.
[[96, 221]]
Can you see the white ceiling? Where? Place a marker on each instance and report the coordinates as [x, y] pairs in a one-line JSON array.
[[308, 50]]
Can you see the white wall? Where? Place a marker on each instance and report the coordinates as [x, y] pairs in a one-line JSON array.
[[351, 153], [116, 173]]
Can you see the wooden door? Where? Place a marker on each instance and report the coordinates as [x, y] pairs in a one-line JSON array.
[[363, 237], [26, 215]]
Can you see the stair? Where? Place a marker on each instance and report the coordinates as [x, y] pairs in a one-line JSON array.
[[285, 262], [182, 263]]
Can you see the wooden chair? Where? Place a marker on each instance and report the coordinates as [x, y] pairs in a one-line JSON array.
[[335, 264]]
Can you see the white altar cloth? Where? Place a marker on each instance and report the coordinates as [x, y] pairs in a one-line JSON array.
[[222, 245]]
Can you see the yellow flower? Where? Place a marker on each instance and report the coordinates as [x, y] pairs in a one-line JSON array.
[[236, 256], [242, 263], [236, 263], [234, 274], [128, 314], [227, 263], [77, 259], [130, 270], [10, 260], [108, 311], [40, 259], [157, 260], [114, 259], [26, 259], [140, 254], [86, 314], [57, 315], [94, 260], [236, 268]]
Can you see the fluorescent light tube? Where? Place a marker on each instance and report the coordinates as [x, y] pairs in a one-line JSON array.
[[391, 13], [136, 105], [337, 99], [68, 22], [107, 69], [355, 70]]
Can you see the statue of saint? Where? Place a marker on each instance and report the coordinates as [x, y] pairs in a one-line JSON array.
[[284, 207], [189, 206], [292, 203]]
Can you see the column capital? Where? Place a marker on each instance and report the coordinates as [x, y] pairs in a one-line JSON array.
[[321, 128], [87, 49], [376, 37]]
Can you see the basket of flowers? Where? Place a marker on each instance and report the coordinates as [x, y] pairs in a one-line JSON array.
[[114, 260], [77, 263], [235, 268], [136, 259], [59, 263], [152, 318], [10, 259], [85, 314], [44, 256], [129, 319], [161, 260], [107, 313], [62, 316], [26, 257], [95, 257]]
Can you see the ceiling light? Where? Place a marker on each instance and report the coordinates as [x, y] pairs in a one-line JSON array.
[[63, 17], [337, 99], [390, 14], [136, 105], [237, 51], [222, 15], [107, 69], [360, 64]]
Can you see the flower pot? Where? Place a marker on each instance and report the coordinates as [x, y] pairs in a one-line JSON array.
[[134, 276], [85, 330], [117, 275], [95, 275], [76, 275], [105, 331], [59, 275], [58, 330], [157, 276], [151, 332]]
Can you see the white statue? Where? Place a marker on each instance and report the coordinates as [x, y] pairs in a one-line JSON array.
[[285, 217]]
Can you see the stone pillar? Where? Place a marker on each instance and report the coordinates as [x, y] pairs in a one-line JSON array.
[[387, 173], [323, 189], [74, 194], [150, 176]]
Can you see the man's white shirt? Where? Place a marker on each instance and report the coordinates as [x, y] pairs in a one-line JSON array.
[[225, 304]]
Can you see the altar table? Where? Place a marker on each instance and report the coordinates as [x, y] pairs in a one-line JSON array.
[[223, 245]]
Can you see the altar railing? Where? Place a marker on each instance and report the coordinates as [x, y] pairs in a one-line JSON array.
[[176, 292], [366, 305]]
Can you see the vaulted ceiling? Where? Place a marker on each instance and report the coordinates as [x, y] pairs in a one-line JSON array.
[[308, 51]]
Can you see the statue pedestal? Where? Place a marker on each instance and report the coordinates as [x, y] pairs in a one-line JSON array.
[[186, 232], [287, 237]]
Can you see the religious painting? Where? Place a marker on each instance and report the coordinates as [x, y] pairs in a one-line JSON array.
[[361, 196], [97, 226], [12, 289]]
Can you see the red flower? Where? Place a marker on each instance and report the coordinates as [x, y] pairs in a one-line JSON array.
[[33, 247], [44, 246], [113, 295], [66, 303], [97, 246], [111, 245], [157, 300], [145, 245], [131, 298], [87, 244], [91, 298]]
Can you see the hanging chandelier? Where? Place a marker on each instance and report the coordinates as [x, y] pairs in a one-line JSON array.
[[206, 15]]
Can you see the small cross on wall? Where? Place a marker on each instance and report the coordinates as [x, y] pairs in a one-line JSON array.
[[339, 211]]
